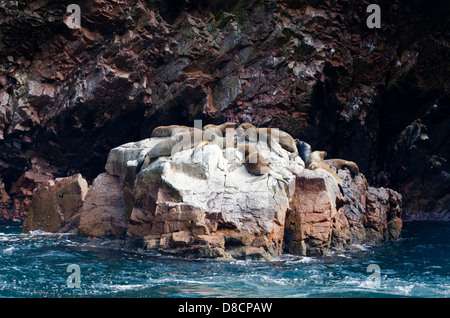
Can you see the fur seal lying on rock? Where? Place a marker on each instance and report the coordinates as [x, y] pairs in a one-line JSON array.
[[220, 130], [256, 164], [341, 164], [270, 135], [163, 148], [315, 161], [167, 131], [305, 152], [181, 139]]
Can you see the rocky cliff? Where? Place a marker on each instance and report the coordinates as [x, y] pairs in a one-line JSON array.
[[379, 97]]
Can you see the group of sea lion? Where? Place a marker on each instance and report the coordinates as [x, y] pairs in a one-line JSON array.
[[184, 137], [316, 159]]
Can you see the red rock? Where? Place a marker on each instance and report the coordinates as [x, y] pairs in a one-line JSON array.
[[321, 218], [56, 206], [309, 222], [103, 210]]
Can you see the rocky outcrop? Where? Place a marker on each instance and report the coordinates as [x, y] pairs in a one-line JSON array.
[[311, 68], [22, 190], [322, 216], [56, 205], [103, 214], [5, 202], [313, 213], [69, 205], [204, 203]]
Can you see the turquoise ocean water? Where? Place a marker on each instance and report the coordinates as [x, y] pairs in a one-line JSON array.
[[36, 264]]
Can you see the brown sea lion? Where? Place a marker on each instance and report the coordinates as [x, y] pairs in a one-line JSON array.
[[163, 148], [271, 135], [220, 130], [182, 139], [256, 164], [167, 131], [341, 164], [315, 161]]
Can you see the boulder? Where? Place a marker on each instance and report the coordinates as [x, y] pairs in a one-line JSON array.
[[56, 205], [313, 213], [103, 214]]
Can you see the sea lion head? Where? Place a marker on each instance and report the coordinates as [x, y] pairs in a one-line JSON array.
[[246, 126], [209, 126], [246, 129], [322, 154]]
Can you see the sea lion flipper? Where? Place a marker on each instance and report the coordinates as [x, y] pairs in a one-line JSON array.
[[198, 146], [146, 160], [274, 146], [139, 166]]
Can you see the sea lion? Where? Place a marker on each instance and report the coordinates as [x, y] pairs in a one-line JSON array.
[[180, 140], [220, 130], [341, 164], [167, 131], [271, 135], [222, 142], [315, 156], [256, 164], [163, 148], [315, 161], [304, 149]]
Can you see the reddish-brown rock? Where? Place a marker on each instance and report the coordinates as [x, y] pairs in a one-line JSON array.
[[321, 216], [56, 205], [69, 205], [103, 210], [5, 203], [309, 221]]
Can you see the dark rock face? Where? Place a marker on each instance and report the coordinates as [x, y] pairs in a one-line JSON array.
[[376, 97], [422, 149]]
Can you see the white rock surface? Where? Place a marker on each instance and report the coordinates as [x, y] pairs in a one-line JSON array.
[[212, 180]]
